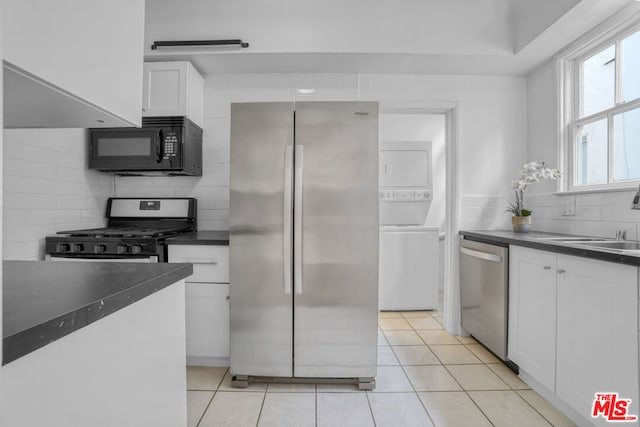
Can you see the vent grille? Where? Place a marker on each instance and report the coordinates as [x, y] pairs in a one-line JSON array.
[[173, 121]]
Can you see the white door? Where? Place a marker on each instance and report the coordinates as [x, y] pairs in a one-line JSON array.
[[532, 313], [597, 332], [207, 321]]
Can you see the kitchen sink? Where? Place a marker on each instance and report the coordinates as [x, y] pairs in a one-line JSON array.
[[622, 245]]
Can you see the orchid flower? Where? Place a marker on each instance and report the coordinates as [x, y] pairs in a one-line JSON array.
[[530, 173]]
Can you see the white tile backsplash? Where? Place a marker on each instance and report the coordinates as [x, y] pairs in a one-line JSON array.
[[48, 188], [597, 214]]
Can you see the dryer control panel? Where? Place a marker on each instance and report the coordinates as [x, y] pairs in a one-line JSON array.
[[405, 195]]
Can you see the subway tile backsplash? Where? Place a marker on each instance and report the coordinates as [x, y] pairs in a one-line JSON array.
[[597, 214], [48, 188]]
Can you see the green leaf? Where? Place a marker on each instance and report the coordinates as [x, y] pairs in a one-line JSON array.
[[525, 212]]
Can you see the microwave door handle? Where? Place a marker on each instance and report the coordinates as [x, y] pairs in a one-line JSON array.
[[159, 154]]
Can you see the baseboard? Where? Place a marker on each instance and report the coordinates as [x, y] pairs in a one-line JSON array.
[[207, 361]]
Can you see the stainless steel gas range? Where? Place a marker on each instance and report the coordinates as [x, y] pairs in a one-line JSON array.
[[136, 231]]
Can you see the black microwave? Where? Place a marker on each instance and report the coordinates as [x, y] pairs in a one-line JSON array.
[[163, 145]]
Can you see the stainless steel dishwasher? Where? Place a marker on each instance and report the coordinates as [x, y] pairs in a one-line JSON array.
[[484, 293]]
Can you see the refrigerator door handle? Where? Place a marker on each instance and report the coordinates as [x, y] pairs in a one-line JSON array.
[[297, 220], [288, 207]]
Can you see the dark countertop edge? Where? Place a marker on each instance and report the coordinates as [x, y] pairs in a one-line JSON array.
[[28, 340], [561, 248], [204, 237]]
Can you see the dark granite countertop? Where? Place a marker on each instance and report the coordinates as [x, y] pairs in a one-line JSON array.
[[220, 238], [44, 301], [535, 240]]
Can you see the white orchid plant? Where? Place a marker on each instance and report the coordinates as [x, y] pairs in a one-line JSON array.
[[530, 173]]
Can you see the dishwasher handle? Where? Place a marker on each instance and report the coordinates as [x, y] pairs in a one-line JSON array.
[[481, 255]]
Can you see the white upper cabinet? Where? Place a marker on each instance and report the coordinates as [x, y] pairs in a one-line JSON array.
[[172, 89], [72, 63]]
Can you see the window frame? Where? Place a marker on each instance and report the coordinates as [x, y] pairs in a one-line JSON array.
[[569, 72]]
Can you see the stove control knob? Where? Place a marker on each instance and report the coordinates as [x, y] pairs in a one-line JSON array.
[[63, 247], [123, 249], [98, 249], [78, 247], [136, 249]]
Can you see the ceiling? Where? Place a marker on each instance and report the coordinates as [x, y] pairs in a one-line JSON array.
[[485, 37]]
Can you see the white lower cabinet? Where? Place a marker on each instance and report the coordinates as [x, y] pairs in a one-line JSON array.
[[532, 313], [207, 322], [597, 332], [573, 327], [207, 303]]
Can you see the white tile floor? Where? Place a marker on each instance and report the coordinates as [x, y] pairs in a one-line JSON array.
[[426, 377]]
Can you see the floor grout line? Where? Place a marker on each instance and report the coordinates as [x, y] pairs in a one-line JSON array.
[[373, 418], [479, 408], [206, 408], [533, 407], [264, 398], [415, 392]]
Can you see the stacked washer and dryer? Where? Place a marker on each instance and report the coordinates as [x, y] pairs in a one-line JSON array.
[[408, 250]]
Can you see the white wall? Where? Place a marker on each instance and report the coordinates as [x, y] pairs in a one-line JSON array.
[[598, 214], [492, 134], [48, 188]]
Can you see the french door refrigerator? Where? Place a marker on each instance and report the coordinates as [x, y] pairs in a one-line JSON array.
[[304, 241]]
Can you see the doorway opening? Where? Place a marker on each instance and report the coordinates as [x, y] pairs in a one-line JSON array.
[[412, 122]]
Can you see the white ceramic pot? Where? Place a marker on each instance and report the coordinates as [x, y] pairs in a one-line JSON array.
[[521, 224]]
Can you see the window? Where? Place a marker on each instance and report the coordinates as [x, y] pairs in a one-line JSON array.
[[603, 125]]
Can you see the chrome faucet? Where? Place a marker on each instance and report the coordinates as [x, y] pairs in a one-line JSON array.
[[621, 234], [636, 200]]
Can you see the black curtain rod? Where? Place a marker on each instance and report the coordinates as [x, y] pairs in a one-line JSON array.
[[157, 44]]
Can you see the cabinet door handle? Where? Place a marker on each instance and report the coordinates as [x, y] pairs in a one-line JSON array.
[[547, 267], [561, 271], [227, 298]]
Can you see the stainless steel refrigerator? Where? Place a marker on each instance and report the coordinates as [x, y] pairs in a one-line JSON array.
[[304, 241]]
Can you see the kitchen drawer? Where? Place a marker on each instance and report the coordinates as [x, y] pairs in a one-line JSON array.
[[210, 262]]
